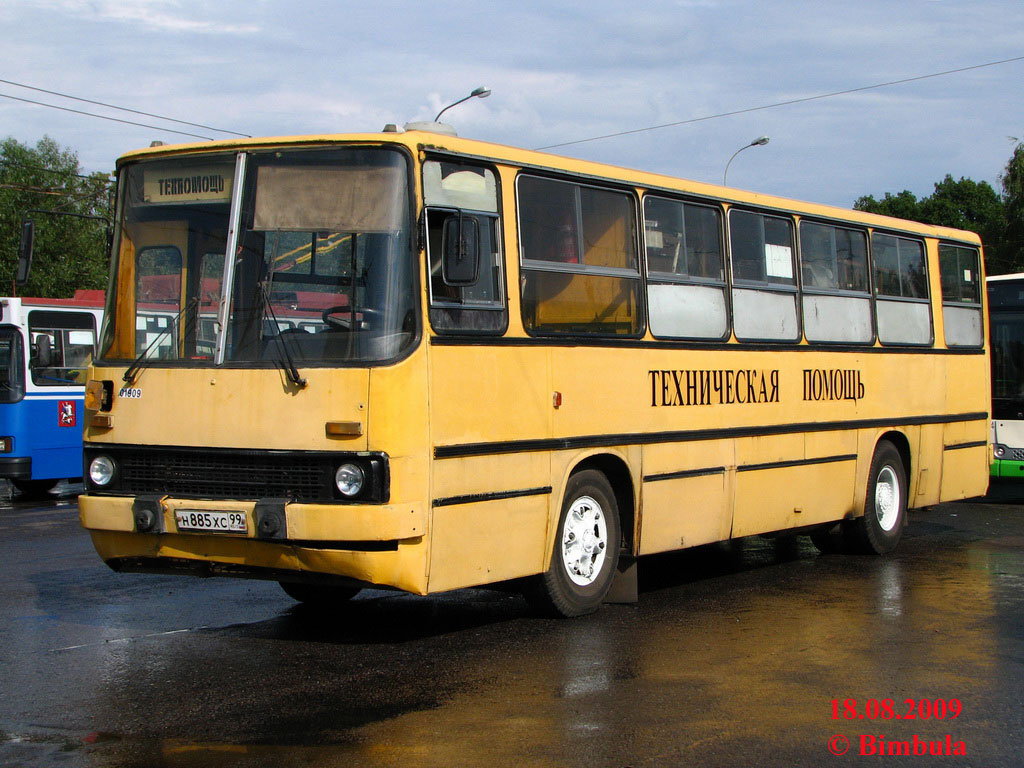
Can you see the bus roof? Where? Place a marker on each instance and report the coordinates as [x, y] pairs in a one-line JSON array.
[[416, 140], [84, 297]]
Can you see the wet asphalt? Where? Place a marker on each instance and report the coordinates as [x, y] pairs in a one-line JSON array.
[[734, 656]]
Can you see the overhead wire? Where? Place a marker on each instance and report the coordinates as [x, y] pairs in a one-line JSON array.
[[124, 109], [786, 103], [106, 117], [36, 190], [731, 113], [43, 169]]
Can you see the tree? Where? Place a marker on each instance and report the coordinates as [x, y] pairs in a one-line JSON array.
[[70, 252], [963, 204], [903, 206], [1012, 244]]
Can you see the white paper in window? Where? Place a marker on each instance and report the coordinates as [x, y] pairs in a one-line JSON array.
[[654, 235], [778, 261], [967, 275]]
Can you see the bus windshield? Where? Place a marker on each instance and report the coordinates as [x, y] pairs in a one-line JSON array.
[[1007, 370], [323, 270], [12, 366]]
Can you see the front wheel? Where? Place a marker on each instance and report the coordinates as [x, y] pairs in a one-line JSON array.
[[885, 507], [319, 595], [34, 488], [586, 550]]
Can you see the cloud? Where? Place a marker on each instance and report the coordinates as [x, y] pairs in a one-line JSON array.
[[163, 15], [560, 71]]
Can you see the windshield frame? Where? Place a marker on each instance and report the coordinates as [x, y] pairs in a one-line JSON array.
[[245, 160], [18, 383]]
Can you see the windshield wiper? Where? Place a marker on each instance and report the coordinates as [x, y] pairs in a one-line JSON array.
[[143, 360], [286, 361]]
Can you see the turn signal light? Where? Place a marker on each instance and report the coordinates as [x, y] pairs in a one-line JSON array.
[[98, 395], [344, 428]]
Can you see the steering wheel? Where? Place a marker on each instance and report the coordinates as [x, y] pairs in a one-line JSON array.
[[343, 323]]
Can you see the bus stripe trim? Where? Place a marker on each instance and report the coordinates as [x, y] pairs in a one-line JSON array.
[[694, 435], [797, 463], [473, 498], [685, 473], [748, 467], [958, 446], [669, 344]]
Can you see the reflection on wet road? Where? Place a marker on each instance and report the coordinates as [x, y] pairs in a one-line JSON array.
[[733, 657]]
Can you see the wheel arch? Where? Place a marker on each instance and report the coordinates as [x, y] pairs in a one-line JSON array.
[[868, 447], [902, 446], [616, 470], [877, 531]]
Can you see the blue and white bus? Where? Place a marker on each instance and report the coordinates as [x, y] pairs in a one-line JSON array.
[[45, 347]]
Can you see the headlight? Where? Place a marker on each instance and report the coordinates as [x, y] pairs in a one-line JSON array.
[[349, 478], [101, 470], [1000, 451]]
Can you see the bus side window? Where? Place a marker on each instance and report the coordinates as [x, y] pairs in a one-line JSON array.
[[62, 346], [834, 267], [686, 296], [961, 295], [580, 267], [901, 290], [462, 213], [764, 281]]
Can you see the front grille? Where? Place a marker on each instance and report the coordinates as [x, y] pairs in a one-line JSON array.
[[206, 473], [1016, 454]]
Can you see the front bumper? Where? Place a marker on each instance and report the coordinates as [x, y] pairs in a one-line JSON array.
[[1006, 468], [16, 467], [311, 524], [380, 545]]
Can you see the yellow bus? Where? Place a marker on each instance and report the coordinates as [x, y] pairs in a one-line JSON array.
[[416, 361]]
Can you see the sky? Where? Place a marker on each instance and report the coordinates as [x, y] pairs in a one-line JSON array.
[[558, 71]]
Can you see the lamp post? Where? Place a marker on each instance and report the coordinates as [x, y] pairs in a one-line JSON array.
[[760, 141], [478, 93]]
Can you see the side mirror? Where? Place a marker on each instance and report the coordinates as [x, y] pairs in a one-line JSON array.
[[43, 357], [28, 230], [460, 253]]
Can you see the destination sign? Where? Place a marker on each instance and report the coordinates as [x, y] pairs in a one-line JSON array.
[[187, 184]]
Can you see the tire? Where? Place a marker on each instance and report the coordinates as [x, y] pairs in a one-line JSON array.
[[885, 506], [585, 555], [34, 488], [319, 595]]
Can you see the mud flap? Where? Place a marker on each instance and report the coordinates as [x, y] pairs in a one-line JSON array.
[[624, 584]]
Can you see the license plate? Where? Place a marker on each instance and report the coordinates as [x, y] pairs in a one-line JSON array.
[[208, 521]]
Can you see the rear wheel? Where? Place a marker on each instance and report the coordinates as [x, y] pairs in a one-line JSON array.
[[34, 488], [586, 550], [321, 595], [885, 507]]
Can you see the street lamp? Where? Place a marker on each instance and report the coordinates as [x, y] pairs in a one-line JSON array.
[[760, 141], [478, 93]]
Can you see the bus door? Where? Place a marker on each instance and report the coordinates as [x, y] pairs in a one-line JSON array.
[[61, 347]]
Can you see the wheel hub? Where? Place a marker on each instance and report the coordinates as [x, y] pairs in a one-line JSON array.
[[887, 498], [584, 541]]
